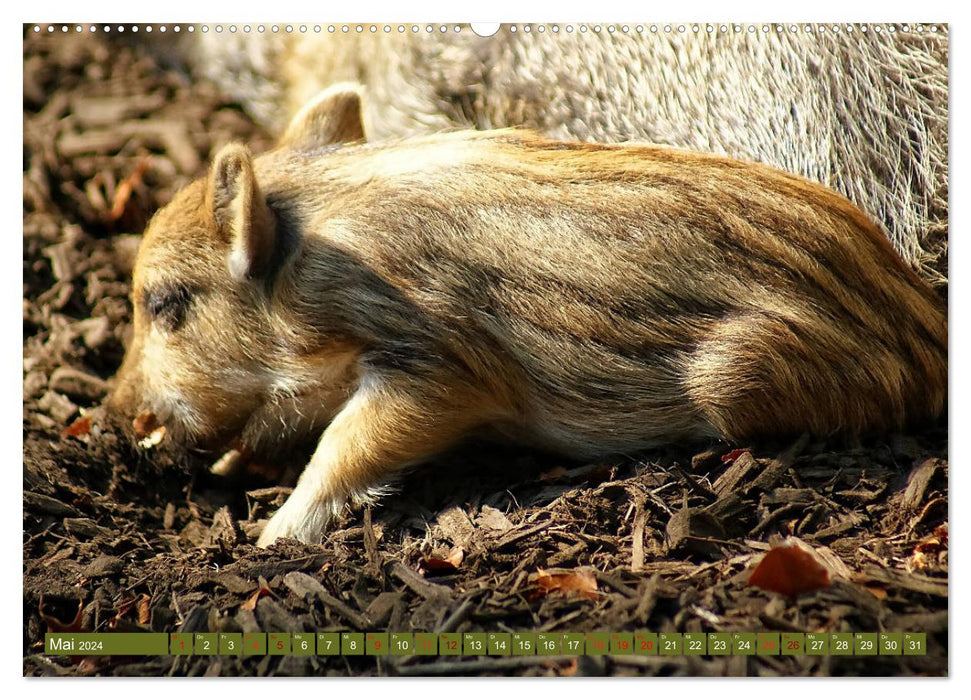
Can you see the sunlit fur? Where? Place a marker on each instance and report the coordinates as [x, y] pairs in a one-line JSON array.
[[583, 298]]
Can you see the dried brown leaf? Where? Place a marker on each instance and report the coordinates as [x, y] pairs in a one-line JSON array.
[[791, 570], [250, 603], [730, 457], [582, 582], [55, 625], [79, 428], [933, 543], [144, 612], [438, 565]]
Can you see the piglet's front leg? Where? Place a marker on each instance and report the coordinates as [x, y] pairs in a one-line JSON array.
[[388, 424]]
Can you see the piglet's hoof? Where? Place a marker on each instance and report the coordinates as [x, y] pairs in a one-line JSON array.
[[300, 518]]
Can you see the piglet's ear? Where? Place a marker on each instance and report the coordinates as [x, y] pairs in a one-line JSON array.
[[241, 213], [333, 116]]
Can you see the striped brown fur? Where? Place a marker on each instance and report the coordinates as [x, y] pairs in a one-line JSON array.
[[584, 298]]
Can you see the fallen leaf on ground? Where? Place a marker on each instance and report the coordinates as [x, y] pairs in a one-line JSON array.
[[250, 603], [730, 457], [438, 565], [55, 625], [79, 428], [790, 569], [144, 614], [925, 554], [934, 542], [583, 582], [124, 607]]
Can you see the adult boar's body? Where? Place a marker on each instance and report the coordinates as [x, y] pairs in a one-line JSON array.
[[859, 110]]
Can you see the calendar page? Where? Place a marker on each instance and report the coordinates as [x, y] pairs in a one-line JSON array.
[[609, 348]]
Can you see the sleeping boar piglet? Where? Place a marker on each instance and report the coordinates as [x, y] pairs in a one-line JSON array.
[[390, 299]]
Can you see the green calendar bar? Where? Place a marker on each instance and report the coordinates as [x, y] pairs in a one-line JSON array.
[[695, 644], [500, 644], [793, 643], [206, 643], [450, 644], [278, 644], [573, 643], [402, 643], [107, 643], [645, 643], [817, 644], [303, 644], [230, 643], [254, 644], [180, 644], [352, 644], [719, 644], [524, 644], [670, 643], [426, 644], [486, 643], [475, 644], [378, 644], [621, 644], [328, 644], [548, 644]]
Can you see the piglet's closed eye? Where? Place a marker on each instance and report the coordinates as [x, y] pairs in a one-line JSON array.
[[241, 213]]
